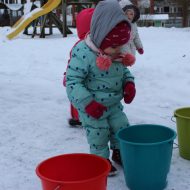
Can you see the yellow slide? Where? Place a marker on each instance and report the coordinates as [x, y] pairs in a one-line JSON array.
[[24, 21]]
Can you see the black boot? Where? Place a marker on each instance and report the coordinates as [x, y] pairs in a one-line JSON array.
[[113, 170], [116, 157], [74, 122]]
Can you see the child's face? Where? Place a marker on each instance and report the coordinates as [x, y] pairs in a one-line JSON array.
[[113, 51], [130, 15]]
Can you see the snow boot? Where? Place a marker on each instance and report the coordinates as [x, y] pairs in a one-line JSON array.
[[74, 122], [116, 156], [113, 170]]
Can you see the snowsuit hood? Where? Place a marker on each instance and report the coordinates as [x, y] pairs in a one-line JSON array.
[[83, 21], [106, 16]]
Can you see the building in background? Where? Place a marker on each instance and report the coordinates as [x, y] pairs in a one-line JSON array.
[[10, 11], [178, 12], [157, 20]]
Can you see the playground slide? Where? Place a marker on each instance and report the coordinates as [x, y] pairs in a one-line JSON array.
[[25, 20]]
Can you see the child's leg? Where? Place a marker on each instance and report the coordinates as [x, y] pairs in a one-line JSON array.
[[74, 120], [74, 113], [98, 135], [117, 120]]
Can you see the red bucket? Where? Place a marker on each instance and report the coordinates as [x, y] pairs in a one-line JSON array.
[[74, 172]]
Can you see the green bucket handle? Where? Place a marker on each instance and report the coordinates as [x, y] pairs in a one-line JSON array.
[[172, 119], [176, 145]]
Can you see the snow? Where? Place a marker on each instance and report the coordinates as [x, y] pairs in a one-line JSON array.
[[14, 6], [154, 17], [34, 108]]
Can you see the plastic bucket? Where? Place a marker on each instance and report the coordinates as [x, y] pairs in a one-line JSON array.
[[74, 172], [183, 129], [146, 152]]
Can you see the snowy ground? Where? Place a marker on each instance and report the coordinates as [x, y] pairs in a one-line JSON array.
[[34, 107]]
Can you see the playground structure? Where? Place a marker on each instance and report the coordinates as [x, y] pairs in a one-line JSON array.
[[51, 13], [21, 24]]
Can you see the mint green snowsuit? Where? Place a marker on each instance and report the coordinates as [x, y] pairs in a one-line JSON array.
[[86, 82]]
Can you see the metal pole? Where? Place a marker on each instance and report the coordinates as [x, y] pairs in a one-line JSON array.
[[64, 15], [151, 6]]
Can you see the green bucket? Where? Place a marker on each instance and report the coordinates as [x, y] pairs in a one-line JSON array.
[[146, 152], [183, 129]]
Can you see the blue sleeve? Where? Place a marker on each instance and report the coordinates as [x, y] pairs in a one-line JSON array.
[[128, 77], [76, 75]]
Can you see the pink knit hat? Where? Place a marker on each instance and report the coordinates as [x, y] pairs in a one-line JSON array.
[[118, 36]]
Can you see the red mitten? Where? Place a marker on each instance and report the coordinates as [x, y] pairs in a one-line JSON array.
[[129, 92], [140, 50], [95, 109], [128, 59]]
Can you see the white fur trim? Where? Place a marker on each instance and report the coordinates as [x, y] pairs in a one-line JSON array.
[[90, 44]]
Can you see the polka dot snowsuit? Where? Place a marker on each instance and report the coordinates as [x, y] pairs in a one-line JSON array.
[[85, 83]]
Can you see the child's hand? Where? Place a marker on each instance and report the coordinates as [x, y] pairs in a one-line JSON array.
[[128, 59], [140, 50], [95, 109], [129, 92]]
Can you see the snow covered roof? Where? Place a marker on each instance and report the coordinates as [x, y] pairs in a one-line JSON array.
[[154, 17], [14, 6]]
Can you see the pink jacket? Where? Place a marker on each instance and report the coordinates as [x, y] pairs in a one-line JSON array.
[[83, 21]]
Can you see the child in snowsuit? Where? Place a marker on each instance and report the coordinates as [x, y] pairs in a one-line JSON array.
[[83, 20], [133, 14], [96, 82]]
